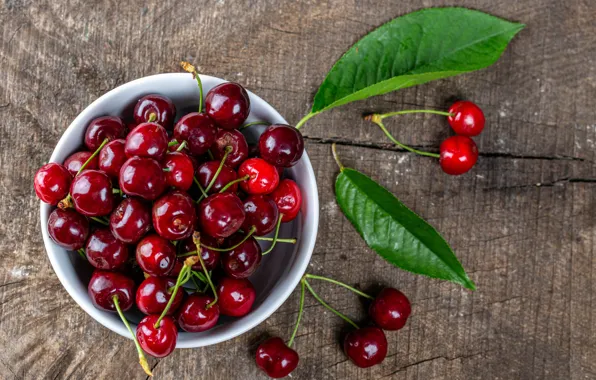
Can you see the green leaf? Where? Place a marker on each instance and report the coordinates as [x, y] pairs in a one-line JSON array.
[[413, 49], [394, 231]]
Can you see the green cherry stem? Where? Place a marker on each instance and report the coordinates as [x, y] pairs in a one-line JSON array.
[[200, 276], [183, 275], [186, 66], [258, 122], [116, 191], [289, 241], [194, 178], [182, 146], [336, 157], [310, 289], [219, 168], [232, 183], [377, 120], [194, 282], [340, 284], [196, 238], [300, 310], [99, 220], [104, 142], [275, 236], [305, 119], [166, 170], [249, 234], [172, 143], [81, 252], [152, 117], [405, 112]]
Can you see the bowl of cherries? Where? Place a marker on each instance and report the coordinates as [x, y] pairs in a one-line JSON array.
[[179, 210]]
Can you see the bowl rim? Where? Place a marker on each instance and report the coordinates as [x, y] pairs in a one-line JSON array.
[[294, 274]]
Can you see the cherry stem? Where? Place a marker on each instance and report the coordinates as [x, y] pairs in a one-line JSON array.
[[81, 252], [182, 146], [104, 142], [152, 117], [99, 220], [289, 241], [219, 168], [172, 143], [196, 238], [142, 358], [275, 236], [340, 284], [405, 112], [186, 66], [305, 119], [232, 183], [258, 122], [342, 316], [181, 275], [194, 178], [194, 282], [200, 276], [249, 234], [116, 191], [336, 157], [65, 203], [377, 121], [167, 170], [300, 310]]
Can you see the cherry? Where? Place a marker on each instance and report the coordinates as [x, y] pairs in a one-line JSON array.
[[104, 285], [390, 309], [261, 214], [206, 172], [180, 170], [288, 199], [276, 359], [104, 251], [174, 216], [220, 215], [458, 155], [228, 105], [147, 140], [76, 160], [264, 178], [233, 139], [194, 316], [142, 177], [198, 130], [91, 193], [157, 108], [242, 261], [210, 257], [105, 127], [68, 228], [281, 145], [158, 342], [112, 157], [51, 183], [366, 346], [154, 294], [156, 256], [467, 120], [235, 296], [130, 220]]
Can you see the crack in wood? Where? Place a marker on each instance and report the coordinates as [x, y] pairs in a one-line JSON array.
[[561, 181]]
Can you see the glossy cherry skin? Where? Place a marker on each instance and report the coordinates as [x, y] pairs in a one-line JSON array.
[[235, 296], [180, 170], [210, 257], [467, 120], [104, 285], [51, 183], [142, 177], [261, 213], [76, 160], [147, 140], [105, 127], [104, 251], [155, 107], [194, 316], [68, 228], [91, 193], [281, 145], [112, 157], [390, 309], [130, 220], [366, 346], [233, 139], [206, 172], [153, 295], [228, 105], [288, 199], [276, 359], [458, 155], [220, 215], [242, 261], [157, 342], [198, 130], [174, 215], [156, 256], [263, 177]]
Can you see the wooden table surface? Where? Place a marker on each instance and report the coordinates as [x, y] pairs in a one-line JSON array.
[[523, 221]]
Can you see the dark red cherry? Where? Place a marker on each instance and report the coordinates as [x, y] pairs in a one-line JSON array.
[[180, 170], [156, 256], [228, 105], [281, 145], [261, 214], [130, 220], [233, 139], [68, 228], [154, 294], [206, 172], [174, 215], [104, 285], [194, 316], [390, 309], [157, 108], [104, 251], [158, 342], [242, 261], [52, 183], [112, 157], [458, 155], [76, 160], [366, 346], [142, 177], [210, 257], [198, 130], [220, 215], [91, 193], [105, 127], [263, 177], [288, 199], [467, 119], [147, 140], [276, 359], [235, 296]]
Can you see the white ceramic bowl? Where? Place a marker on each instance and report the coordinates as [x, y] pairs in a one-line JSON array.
[[279, 272]]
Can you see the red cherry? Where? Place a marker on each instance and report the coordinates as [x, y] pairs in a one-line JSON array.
[[147, 140], [180, 170], [76, 160], [242, 261], [194, 315], [51, 183], [156, 256], [174, 216], [154, 294], [131, 220], [104, 285], [198, 130], [142, 177], [104, 251], [156, 108], [288, 199], [276, 359], [458, 155], [261, 214], [467, 120], [281, 145], [105, 127], [233, 139], [158, 342], [228, 105], [390, 309], [366, 346], [68, 228], [235, 296], [210, 257], [263, 177], [112, 157], [91, 193], [220, 215]]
